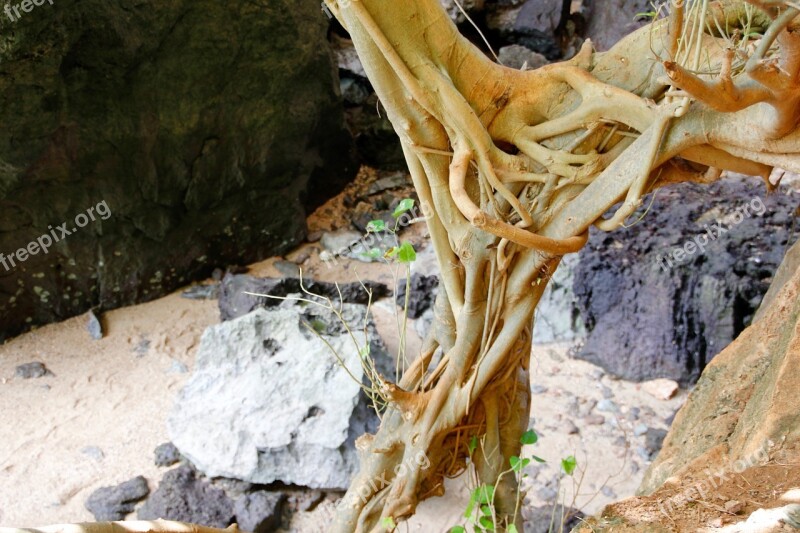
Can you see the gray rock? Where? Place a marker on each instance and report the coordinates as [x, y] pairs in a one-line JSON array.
[[346, 243], [594, 419], [202, 292], [455, 14], [296, 411], [287, 268], [538, 519], [93, 452], [166, 454], [653, 440], [516, 56], [538, 389], [422, 295], [259, 512], [648, 319], [115, 503], [608, 492], [546, 494], [354, 91], [607, 405], [557, 317], [611, 20], [94, 326], [204, 154], [177, 367], [184, 497], [32, 370], [640, 429], [233, 302]]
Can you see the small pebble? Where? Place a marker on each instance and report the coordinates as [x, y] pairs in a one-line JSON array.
[[569, 427], [93, 452], [733, 506], [166, 454], [32, 370], [607, 405], [640, 429], [594, 420], [538, 389], [608, 493]]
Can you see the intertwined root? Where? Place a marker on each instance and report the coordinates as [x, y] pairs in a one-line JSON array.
[[515, 167]]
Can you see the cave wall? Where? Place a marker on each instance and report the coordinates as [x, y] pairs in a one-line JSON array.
[[205, 129]]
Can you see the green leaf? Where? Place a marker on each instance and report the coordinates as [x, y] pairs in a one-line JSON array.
[[538, 459], [485, 494], [376, 226], [529, 437], [388, 523], [364, 352], [518, 464], [473, 444], [458, 529], [374, 253], [569, 464], [406, 253], [473, 498], [391, 252], [405, 205], [486, 510], [645, 15], [512, 529], [487, 523]]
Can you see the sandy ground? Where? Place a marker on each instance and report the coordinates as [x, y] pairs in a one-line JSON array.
[[106, 395]]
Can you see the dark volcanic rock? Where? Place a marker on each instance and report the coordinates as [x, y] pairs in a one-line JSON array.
[[538, 519], [32, 370], [166, 454], [653, 440], [611, 20], [195, 141], [652, 314], [183, 497], [233, 302], [422, 296], [115, 503], [259, 512]]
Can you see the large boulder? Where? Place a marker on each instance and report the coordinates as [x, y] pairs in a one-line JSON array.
[[655, 304], [611, 20], [268, 400], [197, 132]]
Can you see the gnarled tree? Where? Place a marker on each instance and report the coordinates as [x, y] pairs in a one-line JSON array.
[[514, 167]]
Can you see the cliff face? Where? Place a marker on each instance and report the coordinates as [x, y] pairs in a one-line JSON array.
[[203, 129]]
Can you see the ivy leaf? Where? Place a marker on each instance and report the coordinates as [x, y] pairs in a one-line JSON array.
[[388, 523], [512, 529], [569, 464], [458, 529], [486, 523], [374, 253], [405, 205], [391, 252], [375, 226], [538, 459], [485, 494], [529, 437], [406, 253]]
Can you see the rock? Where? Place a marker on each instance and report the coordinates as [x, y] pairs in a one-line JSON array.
[[354, 91], [745, 399], [183, 497], [110, 504], [517, 57], [546, 494], [32, 370], [287, 268], [608, 492], [557, 316], [640, 429], [202, 292], [422, 296], [259, 512], [607, 392], [733, 506], [607, 405], [296, 411], [305, 500], [633, 414], [142, 347], [93, 452], [653, 440], [594, 420], [611, 20], [94, 326], [569, 428], [538, 389], [190, 154], [455, 13], [538, 15], [648, 319], [538, 519], [166, 454], [662, 389], [233, 302], [346, 56]]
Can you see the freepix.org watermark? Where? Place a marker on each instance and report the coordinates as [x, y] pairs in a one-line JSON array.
[[419, 460], [712, 232], [12, 11], [714, 480], [43, 243]]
